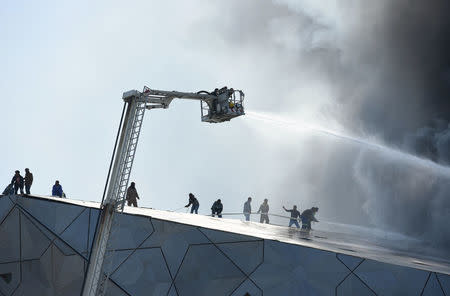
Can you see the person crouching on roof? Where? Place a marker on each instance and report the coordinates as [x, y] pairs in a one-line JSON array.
[[57, 189], [217, 208]]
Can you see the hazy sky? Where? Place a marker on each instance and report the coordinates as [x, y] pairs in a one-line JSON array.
[[65, 67], [378, 70]]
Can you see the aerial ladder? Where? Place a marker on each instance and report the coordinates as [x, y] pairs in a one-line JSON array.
[[217, 106]]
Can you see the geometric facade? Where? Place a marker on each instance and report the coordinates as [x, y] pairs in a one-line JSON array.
[[45, 245]]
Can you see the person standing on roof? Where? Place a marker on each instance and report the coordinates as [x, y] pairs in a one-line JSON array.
[[217, 208], [132, 195], [264, 210], [294, 216], [194, 202], [308, 216], [17, 181], [247, 209], [57, 189], [28, 180]]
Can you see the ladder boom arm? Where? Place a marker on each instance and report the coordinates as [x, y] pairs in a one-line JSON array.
[[220, 105]]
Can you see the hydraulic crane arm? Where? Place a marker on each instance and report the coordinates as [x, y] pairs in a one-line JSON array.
[[217, 106]]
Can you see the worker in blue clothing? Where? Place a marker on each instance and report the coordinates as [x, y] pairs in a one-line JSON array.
[[194, 202], [57, 189], [295, 214], [217, 208]]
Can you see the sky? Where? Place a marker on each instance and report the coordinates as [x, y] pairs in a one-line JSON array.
[[379, 71]]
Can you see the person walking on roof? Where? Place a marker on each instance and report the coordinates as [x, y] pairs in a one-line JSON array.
[[308, 216], [264, 210], [194, 202], [17, 181], [217, 208], [132, 195], [57, 189], [28, 180], [294, 216], [247, 209]]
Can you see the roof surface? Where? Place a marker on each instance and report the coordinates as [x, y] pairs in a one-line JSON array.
[[338, 238]]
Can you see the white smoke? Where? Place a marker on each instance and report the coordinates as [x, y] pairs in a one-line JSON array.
[[379, 69]]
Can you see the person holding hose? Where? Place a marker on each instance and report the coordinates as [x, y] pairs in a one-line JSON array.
[[194, 202], [308, 216], [264, 210], [295, 214]]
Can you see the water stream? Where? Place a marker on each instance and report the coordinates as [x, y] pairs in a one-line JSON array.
[[393, 152]]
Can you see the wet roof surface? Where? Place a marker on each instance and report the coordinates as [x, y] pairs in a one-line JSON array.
[[333, 237]]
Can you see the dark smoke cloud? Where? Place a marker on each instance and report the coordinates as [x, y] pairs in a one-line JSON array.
[[409, 61], [387, 65], [388, 62]]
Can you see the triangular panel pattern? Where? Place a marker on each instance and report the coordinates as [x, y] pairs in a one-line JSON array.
[[76, 234], [174, 240], [37, 276], [53, 274], [444, 279], [33, 241], [246, 255], [55, 215], [247, 287], [44, 230], [353, 286], [118, 258], [217, 236], [114, 290], [217, 272], [433, 288], [350, 261], [388, 279], [172, 292], [65, 248], [11, 272], [68, 273], [294, 270], [132, 231], [144, 273], [10, 237], [13, 198], [5, 206]]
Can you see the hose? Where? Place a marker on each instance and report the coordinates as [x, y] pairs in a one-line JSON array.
[[204, 92], [114, 152]]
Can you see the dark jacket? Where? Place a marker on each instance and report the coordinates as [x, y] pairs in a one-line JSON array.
[[217, 207], [28, 178], [308, 216], [57, 190], [294, 214], [17, 180], [132, 194], [247, 207], [193, 201]]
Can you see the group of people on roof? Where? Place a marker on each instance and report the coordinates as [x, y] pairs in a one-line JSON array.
[[306, 217], [19, 182]]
